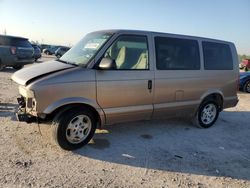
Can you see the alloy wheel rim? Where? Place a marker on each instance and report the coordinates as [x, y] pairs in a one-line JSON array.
[[78, 129], [208, 114]]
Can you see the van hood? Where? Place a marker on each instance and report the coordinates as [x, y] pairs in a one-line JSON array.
[[27, 74]]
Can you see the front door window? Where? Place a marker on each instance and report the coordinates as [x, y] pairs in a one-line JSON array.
[[129, 53]]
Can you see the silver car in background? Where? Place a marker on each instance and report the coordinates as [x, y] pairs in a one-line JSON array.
[[124, 75]]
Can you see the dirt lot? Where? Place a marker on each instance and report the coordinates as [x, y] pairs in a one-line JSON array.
[[165, 153]]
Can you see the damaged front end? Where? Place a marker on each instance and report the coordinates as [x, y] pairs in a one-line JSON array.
[[26, 111], [26, 78]]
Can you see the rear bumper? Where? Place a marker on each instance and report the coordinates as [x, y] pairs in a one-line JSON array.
[[25, 61], [17, 61]]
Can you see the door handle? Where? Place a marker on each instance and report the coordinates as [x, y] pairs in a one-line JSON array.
[[150, 85]]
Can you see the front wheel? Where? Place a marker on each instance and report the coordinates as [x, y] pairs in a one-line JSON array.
[[246, 86], [207, 114], [74, 128]]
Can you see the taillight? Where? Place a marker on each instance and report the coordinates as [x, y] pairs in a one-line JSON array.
[[13, 50]]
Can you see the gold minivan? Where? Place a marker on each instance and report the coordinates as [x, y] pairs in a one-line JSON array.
[[116, 76]]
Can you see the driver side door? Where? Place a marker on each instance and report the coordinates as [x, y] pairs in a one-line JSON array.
[[126, 93]]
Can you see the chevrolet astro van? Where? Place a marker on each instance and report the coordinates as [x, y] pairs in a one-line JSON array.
[[116, 76]]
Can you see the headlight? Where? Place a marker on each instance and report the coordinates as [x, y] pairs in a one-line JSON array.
[[26, 92]]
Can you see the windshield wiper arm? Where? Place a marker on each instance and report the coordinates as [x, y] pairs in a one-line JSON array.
[[67, 62]]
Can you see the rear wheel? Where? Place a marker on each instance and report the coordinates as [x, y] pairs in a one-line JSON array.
[[246, 86], [74, 128], [17, 67], [207, 114]]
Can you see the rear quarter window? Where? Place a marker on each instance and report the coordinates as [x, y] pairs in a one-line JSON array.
[[217, 56], [11, 41], [21, 43], [5, 41]]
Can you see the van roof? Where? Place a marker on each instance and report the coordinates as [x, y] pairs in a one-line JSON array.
[[154, 32]]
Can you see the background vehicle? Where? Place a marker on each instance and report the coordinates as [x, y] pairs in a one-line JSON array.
[[37, 52], [51, 50], [60, 51], [245, 81], [122, 75], [43, 46], [15, 52]]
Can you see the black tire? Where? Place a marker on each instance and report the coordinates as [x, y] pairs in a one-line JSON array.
[[246, 86], [199, 121], [17, 67], [61, 130]]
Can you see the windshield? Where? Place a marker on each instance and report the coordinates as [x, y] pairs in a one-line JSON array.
[[85, 49]]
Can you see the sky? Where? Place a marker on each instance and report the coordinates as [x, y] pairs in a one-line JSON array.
[[66, 22]]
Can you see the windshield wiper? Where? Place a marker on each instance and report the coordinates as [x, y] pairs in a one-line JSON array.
[[67, 62]]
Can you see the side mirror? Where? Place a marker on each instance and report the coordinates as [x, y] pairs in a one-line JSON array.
[[107, 64]]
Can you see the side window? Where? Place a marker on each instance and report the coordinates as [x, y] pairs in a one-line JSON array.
[[177, 54], [129, 52], [217, 56], [5, 41], [21, 43]]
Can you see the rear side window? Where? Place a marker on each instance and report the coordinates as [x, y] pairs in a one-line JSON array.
[[217, 56], [11, 41], [5, 41], [20, 43], [177, 54]]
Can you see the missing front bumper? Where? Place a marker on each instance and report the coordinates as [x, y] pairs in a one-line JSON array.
[[22, 117], [21, 114]]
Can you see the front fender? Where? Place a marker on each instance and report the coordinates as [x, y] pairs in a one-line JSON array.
[[75, 100]]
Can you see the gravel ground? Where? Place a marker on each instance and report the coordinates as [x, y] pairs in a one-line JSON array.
[[164, 153]]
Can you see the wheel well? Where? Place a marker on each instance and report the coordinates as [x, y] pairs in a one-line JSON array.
[[57, 112], [244, 84], [247, 80], [215, 97]]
